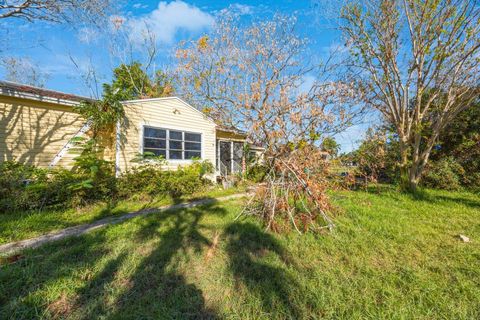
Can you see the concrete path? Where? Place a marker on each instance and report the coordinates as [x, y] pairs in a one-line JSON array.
[[13, 247]]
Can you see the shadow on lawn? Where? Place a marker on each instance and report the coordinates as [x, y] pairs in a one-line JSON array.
[[156, 289], [426, 196], [254, 262], [157, 247]]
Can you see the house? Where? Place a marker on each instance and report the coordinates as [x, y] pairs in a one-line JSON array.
[[37, 127]]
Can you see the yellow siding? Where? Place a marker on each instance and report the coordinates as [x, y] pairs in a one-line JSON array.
[[168, 113], [225, 135], [34, 132]]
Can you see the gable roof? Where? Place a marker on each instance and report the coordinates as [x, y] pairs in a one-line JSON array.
[[13, 89]]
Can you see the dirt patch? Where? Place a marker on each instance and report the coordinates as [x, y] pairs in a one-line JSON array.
[[61, 307], [213, 247]]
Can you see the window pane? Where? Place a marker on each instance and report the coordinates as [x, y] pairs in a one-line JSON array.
[[175, 154], [193, 137], [192, 154], [193, 146], [156, 152], [154, 143], [175, 145], [154, 133], [237, 151], [177, 135]]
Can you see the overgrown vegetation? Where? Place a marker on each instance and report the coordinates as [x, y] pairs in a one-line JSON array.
[[252, 76], [416, 63], [25, 187], [154, 181], [391, 256], [454, 163]]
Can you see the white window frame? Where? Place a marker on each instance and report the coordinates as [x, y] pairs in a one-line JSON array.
[[167, 138]]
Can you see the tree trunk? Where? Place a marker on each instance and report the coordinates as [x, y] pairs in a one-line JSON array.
[[404, 167]]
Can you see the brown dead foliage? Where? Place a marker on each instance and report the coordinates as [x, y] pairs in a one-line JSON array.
[[62, 307], [294, 193]]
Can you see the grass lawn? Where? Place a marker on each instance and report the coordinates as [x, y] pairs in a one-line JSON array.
[[391, 256], [23, 225]]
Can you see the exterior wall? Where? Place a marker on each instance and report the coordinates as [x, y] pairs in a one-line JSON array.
[[230, 136], [166, 113], [34, 132]]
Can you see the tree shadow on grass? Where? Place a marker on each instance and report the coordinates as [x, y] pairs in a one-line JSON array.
[[21, 282], [454, 197], [156, 289], [256, 260]]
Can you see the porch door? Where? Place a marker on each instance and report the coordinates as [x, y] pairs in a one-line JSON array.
[[237, 150], [225, 155]]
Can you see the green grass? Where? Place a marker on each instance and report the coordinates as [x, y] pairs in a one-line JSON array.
[[390, 256], [23, 225]]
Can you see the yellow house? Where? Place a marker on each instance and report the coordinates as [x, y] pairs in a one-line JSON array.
[[37, 126]]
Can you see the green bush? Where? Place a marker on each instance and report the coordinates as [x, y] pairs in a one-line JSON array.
[[21, 186], [444, 174], [25, 187], [257, 173], [472, 180], [151, 180], [188, 179], [143, 179]]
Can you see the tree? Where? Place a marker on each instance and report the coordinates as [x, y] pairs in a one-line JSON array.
[[55, 10], [417, 62], [461, 141], [377, 156], [130, 81], [23, 70], [251, 77], [331, 146]]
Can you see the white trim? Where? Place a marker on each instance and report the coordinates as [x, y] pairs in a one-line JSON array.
[[170, 98], [167, 138], [232, 166], [38, 97], [117, 149]]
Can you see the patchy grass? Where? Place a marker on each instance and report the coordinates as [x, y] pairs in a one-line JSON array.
[[391, 256], [23, 225]]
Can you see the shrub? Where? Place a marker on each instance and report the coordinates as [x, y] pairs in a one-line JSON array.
[[21, 186], [146, 179], [472, 180], [188, 179], [444, 174], [93, 178], [25, 187], [151, 180], [257, 173]]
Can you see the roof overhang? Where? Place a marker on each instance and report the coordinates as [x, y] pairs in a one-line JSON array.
[[15, 90]]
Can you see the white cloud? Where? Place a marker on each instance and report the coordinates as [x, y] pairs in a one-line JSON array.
[[140, 6], [169, 18], [88, 35], [242, 9]]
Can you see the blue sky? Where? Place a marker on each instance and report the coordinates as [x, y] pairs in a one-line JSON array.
[[64, 52]]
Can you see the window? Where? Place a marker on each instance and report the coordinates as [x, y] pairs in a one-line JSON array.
[[172, 144]]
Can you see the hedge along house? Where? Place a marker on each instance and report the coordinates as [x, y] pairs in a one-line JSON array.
[[37, 127]]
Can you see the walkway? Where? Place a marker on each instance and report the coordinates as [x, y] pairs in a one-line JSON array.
[[76, 231]]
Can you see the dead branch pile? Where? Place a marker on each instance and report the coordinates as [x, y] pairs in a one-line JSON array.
[[294, 192]]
